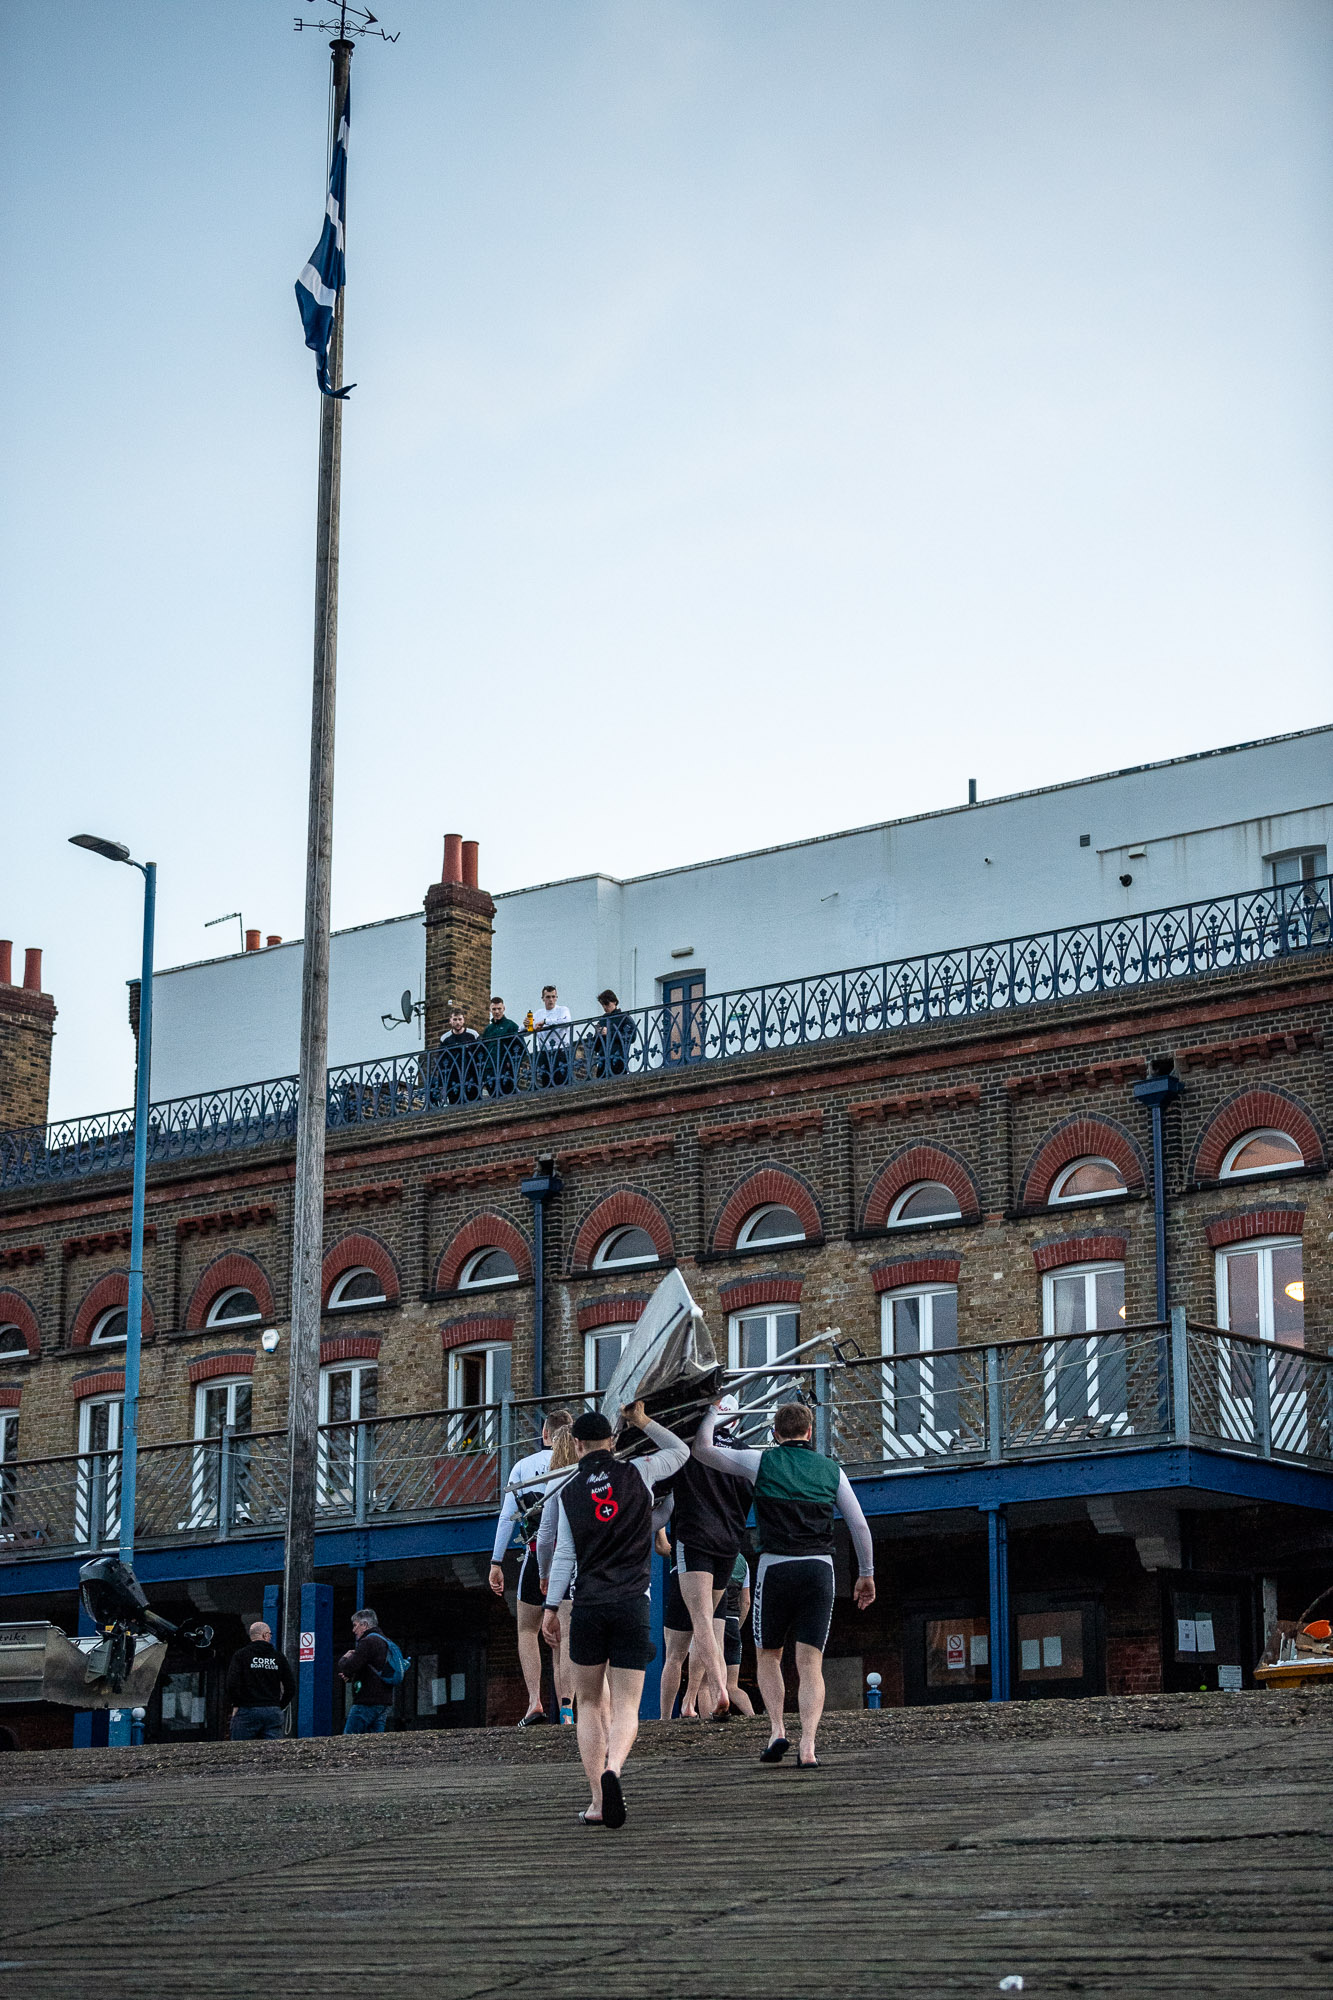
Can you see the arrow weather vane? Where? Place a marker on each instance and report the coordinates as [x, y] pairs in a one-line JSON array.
[[350, 21]]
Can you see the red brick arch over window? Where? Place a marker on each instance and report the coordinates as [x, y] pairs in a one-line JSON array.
[[1080, 1138], [476, 1330], [625, 1209], [1249, 1111], [112, 1290], [484, 1232], [221, 1275], [770, 1185], [919, 1163], [1080, 1250], [217, 1367], [902, 1272], [15, 1311], [610, 1312], [351, 1254], [335, 1347]]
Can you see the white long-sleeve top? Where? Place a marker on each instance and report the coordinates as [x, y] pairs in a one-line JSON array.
[[525, 1469], [670, 1455], [745, 1464]]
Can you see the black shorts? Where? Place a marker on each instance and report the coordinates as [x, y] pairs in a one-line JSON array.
[[718, 1567], [731, 1642], [793, 1599], [529, 1580], [676, 1618], [611, 1635]]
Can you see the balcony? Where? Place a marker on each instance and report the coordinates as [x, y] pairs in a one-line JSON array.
[[1004, 1404], [1224, 934]]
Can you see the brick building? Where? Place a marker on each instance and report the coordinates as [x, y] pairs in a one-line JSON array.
[[948, 1162]]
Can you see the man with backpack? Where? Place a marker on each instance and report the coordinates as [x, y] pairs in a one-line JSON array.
[[375, 1667]]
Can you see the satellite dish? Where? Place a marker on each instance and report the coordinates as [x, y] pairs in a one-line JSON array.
[[407, 1000]]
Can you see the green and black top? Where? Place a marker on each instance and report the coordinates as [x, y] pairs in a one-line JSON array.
[[796, 1493]]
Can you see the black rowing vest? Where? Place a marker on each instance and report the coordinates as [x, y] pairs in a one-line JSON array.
[[610, 1516]]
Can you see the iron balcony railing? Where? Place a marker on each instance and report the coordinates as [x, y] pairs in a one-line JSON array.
[[1120, 1390], [1194, 938]]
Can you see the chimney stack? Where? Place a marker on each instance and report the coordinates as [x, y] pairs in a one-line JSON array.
[[27, 1024], [272, 940], [252, 940], [459, 916]]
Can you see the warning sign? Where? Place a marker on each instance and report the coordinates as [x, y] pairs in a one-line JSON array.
[[307, 1647], [956, 1649]]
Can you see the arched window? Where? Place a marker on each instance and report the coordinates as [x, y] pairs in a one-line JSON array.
[[485, 1268], [110, 1328], [622, 1247], [358, 1287], [13, 1343], [1265, 1152], [1088, 1180], [925, 1201], [234, 1307], [771, 1224]]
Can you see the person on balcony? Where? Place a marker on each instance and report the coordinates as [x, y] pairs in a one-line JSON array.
[[797, 1491], [612, 1037], [502, 1050], [260, 1685], [550, 1021], [458, 1059]]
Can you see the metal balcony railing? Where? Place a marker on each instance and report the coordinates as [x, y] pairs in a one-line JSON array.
[[1006, 1402], [1221, 934]]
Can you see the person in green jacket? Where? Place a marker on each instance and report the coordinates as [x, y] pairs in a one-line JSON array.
[[796, 1493], [502, 1051]]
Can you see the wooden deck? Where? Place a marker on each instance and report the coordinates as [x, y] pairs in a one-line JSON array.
[[1176, 1846]]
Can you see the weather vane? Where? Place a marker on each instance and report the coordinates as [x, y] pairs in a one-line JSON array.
[[350, 21]]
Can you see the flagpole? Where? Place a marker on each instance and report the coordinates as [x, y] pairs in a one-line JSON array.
[[308, 1218]]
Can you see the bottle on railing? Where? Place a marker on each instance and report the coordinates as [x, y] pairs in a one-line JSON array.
[[528, 1022]]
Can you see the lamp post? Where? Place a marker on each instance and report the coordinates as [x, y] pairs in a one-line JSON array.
[[113, 850]]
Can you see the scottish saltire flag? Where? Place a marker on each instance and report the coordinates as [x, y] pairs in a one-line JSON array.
[[319, 284]]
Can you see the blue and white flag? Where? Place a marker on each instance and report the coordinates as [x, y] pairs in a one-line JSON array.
[[322, 280]]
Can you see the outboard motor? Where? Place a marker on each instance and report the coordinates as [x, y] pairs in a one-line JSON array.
[[113, 1598]]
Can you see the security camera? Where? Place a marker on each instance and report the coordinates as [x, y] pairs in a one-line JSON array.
[[268, 1339]]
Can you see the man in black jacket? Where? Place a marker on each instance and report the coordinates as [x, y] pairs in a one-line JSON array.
[[259, 1686], [372, 1697]]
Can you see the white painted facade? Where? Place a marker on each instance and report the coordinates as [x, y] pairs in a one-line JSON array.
[[1184, 830]]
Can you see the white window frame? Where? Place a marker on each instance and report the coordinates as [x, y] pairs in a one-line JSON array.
[[604, 1261], [467, 1283], [205, 1482], [745, 1234], [927, 1438], [97, 1338], [590, 1340], [235, 1319], [895, 1219], [12, 1354], [1287, 1406], [761, 1388], [1057, 1200], [1228, 1172], [333, 1479], [339, 1304], [1261, 1247], [84, 1483], [1116, 1422], [201, 1393], [9, 1436], [490, 1348]]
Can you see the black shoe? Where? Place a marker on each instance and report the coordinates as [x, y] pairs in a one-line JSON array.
[[613, 1800], [775, 1751]]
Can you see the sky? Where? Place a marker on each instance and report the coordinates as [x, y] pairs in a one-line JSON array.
[[769, 416]]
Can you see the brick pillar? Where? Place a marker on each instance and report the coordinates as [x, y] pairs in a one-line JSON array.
[[458, 941], [27, 1023]]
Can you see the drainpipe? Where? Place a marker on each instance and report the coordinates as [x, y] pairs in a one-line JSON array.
[[539, 1188], [1156, 1091]]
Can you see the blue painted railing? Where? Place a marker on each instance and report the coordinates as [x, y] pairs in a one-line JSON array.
[[1222, 934]]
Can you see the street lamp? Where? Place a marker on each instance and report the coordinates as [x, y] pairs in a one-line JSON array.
[[113, 850]]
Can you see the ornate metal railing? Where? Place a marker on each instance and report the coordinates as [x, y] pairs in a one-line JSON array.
[[1194, 938], [1120, 1390]]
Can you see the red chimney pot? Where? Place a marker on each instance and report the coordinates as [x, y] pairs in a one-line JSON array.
[[252, 940], [273, 940], [453, 858], [6, 961], [470, 863], [32, 970]]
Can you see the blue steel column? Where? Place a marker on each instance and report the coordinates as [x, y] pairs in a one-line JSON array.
[[997, 1524], [650, 1702], [314, 1674], [129, 1416]]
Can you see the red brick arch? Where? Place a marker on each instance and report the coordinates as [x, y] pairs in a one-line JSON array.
[[626, 1208], [1250, 1111], [1080, 1138], [769, 1291], [348, 1347], [112, 1290], [476, 1330], [109, 1382], [1080, 1250], [220, 1276], [484, 1232], [920, 1163], [1255, 1222], [15, 1311], [610, 1312], [211, 1367], [901, 1272], [757, 1190], [354, 1250]]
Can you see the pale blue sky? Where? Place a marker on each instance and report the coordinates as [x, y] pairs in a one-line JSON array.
[[770, 415]]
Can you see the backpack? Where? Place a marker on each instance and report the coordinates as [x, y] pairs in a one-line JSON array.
[[394, 1671]]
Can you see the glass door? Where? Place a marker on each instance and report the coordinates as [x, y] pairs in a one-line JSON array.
[[1085, 1383], [920, 1331], [759, 1339], [219, 1407], [683, 1018], [1261, 1293], [97, 1486], [348, 1397]]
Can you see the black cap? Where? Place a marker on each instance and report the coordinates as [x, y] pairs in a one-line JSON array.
[[592, 1427]]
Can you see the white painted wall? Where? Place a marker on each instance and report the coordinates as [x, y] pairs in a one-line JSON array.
[[1205, 826]]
